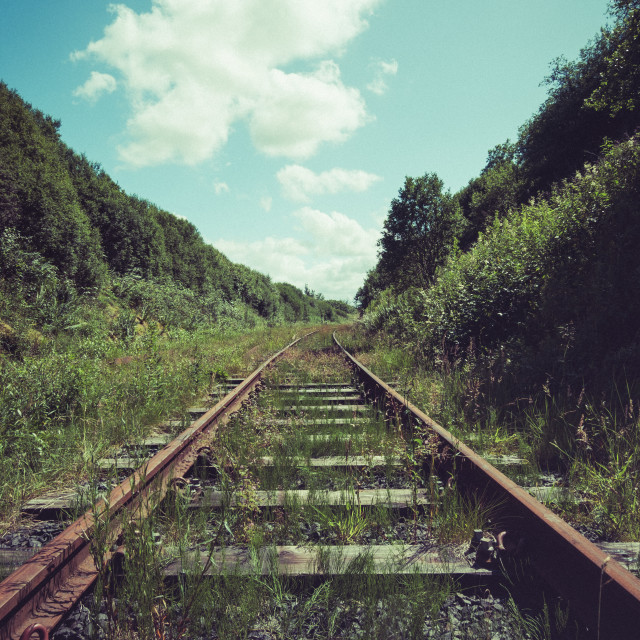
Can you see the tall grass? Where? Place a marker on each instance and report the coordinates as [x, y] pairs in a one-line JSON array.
[[591, 443], [64, 406], [231, 605]]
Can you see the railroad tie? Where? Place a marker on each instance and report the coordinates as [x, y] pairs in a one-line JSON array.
[[377, 477]]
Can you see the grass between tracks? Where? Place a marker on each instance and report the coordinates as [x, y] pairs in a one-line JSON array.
[[358, 603], [64, 407]]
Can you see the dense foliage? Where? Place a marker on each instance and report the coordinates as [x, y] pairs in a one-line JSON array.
[[64, 209], [555, 282], [541, 265]]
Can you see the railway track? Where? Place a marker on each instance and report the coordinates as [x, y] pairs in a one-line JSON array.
[[314, 482]]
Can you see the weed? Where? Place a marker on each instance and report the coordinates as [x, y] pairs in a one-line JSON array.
[[347, 524]]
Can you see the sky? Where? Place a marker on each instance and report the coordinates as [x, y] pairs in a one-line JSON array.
[[282, 129]]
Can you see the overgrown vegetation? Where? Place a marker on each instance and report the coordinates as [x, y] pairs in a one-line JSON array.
[[79, 375], [587, 449], [113, 312], [528, 325], [247, 594]]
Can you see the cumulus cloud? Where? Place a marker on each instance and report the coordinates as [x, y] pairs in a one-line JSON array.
[[299, 183], [220, 188], [193, 68], [300, 111], [96, 85], [332, 257], [382, 69], [335, 234]]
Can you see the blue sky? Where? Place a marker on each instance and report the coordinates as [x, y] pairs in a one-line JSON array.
[[284, 128]]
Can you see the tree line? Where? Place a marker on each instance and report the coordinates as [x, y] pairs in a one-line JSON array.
[[59, 205]]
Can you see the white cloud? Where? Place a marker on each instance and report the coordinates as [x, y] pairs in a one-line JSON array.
[[332, 258], [301, 111], [280, 258], [382, 69], [335, 234], [221, 187], [193, 68], [299, 183], [97, 84]]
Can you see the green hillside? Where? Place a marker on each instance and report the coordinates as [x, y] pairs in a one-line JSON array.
[[114, 314], [65, 225]]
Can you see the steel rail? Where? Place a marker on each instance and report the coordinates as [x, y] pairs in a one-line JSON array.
[[600, 591], [46, 587]]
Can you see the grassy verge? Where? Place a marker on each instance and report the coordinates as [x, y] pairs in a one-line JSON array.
[[65, 404], [588, 445]]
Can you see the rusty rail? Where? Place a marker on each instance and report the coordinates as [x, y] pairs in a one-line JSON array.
[[600, 591], [46, 587]]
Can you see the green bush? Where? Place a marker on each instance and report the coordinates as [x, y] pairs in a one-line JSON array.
[[556, 282]]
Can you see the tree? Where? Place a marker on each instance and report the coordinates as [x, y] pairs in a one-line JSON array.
[[38, 197], [556, 142], [619, 83], [495, 191], [373, 284], [419, 232], [590, 100]]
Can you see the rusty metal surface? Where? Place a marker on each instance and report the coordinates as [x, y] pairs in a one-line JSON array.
[[599, 590], [43, 633], [47, 586]]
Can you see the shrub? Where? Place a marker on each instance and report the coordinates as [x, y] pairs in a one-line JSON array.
[[550, 281]]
